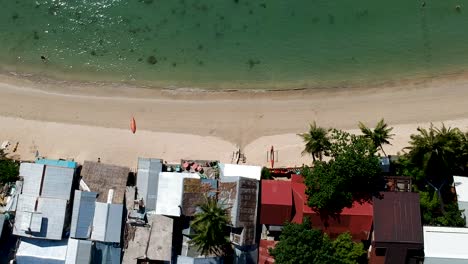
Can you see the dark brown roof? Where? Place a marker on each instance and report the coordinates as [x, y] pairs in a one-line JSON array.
[[397, 218], [101, 177]]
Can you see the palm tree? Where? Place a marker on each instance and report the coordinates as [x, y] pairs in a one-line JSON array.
[[316, 141], [210, 225], [379, 136], [435, 150]]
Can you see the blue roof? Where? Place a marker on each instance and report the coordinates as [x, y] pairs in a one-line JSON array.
[[58, 163]]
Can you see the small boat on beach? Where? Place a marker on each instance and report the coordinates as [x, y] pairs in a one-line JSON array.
[[133, 125]]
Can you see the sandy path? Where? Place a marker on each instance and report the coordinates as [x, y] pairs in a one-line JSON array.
[[87, 123]]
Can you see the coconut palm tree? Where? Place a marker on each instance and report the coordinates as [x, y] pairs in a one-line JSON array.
[[379, 136], [316, 141], [210, 225]]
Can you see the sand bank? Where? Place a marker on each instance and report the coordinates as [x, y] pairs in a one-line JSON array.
[[87, 122]]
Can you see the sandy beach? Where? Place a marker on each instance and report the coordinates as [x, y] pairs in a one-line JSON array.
[[86, 122]]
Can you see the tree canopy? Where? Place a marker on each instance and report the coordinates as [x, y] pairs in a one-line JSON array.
[[210, 225], [9, 169], [316, 141], [380, 135], [352, 173], [299, 243]]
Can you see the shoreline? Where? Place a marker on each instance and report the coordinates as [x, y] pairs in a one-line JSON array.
[[210, 125]]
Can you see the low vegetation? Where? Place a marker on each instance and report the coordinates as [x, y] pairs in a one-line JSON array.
[[9, 169]]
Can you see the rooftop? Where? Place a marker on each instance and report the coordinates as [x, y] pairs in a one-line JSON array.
[[397, 218], [107, 222], [246, 171], [101, 177], [58, 163], [41, 251], [445, 242], [147, 181], [461, 187], [82, 215], [276, 192], [78, 251]]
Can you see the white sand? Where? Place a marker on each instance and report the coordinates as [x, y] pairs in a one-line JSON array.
[[83, 122]]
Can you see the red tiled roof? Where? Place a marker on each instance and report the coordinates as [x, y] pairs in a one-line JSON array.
[[276, 202], [357, 220], [297, 178]]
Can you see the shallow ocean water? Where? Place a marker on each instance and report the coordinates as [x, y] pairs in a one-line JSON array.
[[217, 44]]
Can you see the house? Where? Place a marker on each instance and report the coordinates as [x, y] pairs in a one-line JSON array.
[[78, 251], [83, 214], [445, 245], [152, 242], [398, 233], [148, 180], [31, 251], [461, 188], [57, 163], [276, 202], [43, 203], [356, 220], [101, 178]]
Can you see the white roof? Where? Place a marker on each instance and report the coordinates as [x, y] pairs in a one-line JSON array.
[[170, 190], [461, 187], [32, 174], [41, 251], [78, 251], [57, 182], [107, 222], [54, 211], [445, 242], [246, 171]]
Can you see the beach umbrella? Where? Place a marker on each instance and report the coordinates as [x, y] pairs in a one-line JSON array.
[[133, 125]]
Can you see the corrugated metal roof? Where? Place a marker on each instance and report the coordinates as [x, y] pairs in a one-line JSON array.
[[445, 243], [147, 181], [34, 251], [26, 203], [83, 213], [2, 223], [357, 220], [32, 174], [106, 254], [276, 202], [107, 222], [30, 221], [58, 163], [170, 191], [190, 260], [53, 213], [57, 182], [397, 218], [246, 171], [78, 251]]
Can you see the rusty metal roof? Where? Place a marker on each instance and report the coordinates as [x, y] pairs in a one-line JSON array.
[[397, 218]]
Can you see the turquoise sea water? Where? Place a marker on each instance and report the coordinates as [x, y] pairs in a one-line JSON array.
[[235, 43]]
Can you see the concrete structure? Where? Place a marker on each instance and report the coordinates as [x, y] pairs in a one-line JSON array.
[[445, 245], [461, 188]]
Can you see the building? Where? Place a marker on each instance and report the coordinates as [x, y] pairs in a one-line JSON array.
[[101, 178], [276, 202], [398, 233], [32, 251], [235, 170], [445, 245], [43, 204], [147, 181], [356, 220], [57, 163], [461, 188], [78, 251]]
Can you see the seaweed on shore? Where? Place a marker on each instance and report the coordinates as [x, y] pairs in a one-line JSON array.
[[252, 63], [152, 60]]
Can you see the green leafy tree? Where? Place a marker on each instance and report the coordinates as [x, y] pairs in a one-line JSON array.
[[316, 141], [210, 225], [352, 173], [266, 175], [299, 243], [379, 136], [9, 169]]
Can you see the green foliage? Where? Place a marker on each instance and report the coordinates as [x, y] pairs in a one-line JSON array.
[[266, 175], [379, 136], [316, 141], [9, 169], [209, 225], [353, 173], [299, 243]]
